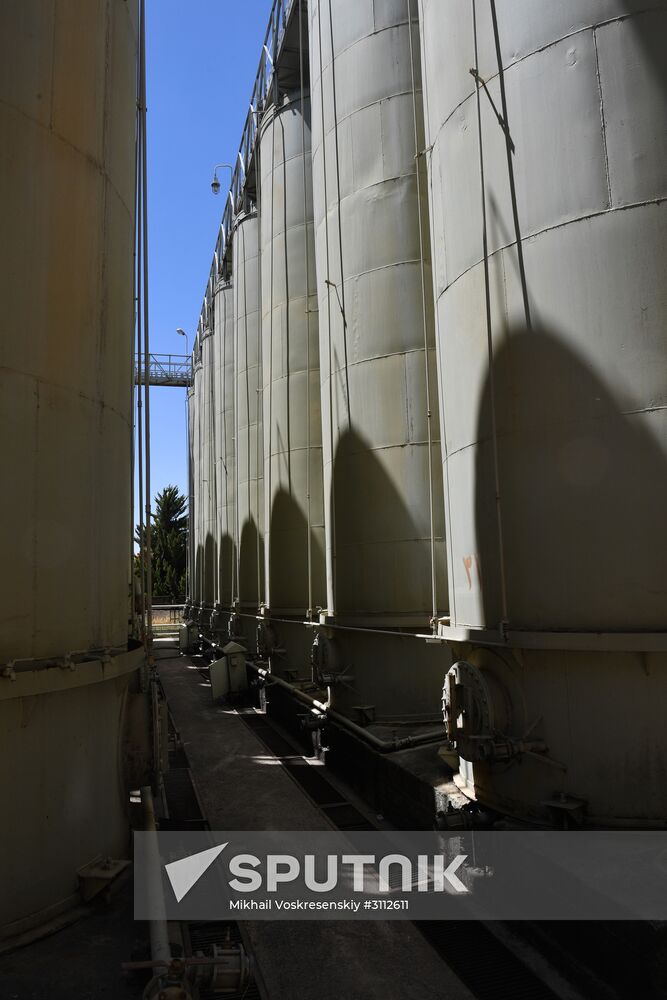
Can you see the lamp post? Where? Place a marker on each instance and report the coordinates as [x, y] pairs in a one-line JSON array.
[[215, 183], [182, 333]]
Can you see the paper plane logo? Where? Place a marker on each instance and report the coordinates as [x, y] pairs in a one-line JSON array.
[[186, 872]]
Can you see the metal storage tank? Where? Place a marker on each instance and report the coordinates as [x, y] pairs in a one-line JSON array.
[[547, 190], [249, 442], [294, 518], [67, 118], [196, 467], [225, 475], [208, 506], [385, 541], [192, 586]]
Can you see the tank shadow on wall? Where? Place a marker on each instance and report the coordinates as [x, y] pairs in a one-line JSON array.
[[197, 574], [380, 550], [288, 557], [579, 483], [251, 588], [209, 570], [227, 569], [651, 40]]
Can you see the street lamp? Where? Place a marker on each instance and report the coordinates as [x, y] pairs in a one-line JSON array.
[[215, 183], [189, 558], [183, 334]]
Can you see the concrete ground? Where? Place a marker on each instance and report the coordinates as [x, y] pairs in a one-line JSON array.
[[243, 787], [81, 962]]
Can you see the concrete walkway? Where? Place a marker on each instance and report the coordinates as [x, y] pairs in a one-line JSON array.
[[243, 787]]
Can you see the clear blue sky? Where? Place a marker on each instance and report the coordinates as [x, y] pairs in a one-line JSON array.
[[202, 57]]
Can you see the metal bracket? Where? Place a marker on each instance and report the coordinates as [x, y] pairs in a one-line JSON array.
[[501, 121], [365, 714], [98, 875], [570, 809]]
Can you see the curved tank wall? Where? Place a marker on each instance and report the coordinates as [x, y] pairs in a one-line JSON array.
[[225, 465], [577, 381], [208, 505], [65, 370], [553, 398], [371, 313], [67, 114], [290, 364], [196, 473], [249, 440], [192, 585]]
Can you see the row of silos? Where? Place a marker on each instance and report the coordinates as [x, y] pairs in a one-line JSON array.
[[335, 490], [535, 341], [68, 675]]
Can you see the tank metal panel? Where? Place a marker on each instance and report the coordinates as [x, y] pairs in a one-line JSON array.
[[67, 294], [290, 363], [371, 330], [568, 393], [225, 462], [196, 472], [208, 506], [67, 118], [581, 700], [249, 434], [192, 584], [71, 812], [580, 395]]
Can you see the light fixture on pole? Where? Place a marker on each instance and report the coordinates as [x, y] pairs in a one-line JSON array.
[[183, 334], [189, 555], [215, 183]]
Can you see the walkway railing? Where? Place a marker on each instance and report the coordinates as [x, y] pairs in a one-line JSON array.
[[164, 369]]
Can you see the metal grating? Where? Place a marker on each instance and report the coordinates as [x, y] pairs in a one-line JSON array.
[[316, 786]]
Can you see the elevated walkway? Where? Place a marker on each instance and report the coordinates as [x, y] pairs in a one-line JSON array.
[[164, 369]]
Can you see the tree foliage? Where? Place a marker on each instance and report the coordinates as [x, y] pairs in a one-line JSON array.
[[169, 530]]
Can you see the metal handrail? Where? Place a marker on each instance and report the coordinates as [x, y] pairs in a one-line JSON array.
[[164, 369], [264, 81]]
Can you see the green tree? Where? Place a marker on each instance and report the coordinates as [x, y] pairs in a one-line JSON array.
[[169, 530]]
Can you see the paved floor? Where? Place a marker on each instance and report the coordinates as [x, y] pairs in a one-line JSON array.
[[243, 787], [81, 962]]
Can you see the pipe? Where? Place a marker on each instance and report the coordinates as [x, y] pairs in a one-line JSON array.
[[427, 372], [368, 630], [144, 278], [382, 746], [309, 543], [159, 938]]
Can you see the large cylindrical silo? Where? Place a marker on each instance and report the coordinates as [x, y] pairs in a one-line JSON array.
[[249, 442], [208, 467], [384, 516], [67, 119], [547, 189], [225, 463], [370, 267], [294, 536], [192, 585], [196, 573]]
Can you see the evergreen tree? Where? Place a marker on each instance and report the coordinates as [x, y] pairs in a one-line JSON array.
[[169, 529]]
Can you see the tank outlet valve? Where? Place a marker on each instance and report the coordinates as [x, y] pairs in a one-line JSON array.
[[312, 723]]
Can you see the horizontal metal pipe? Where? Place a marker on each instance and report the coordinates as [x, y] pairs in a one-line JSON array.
[[382, 746], [76, 657], [368, 630]]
